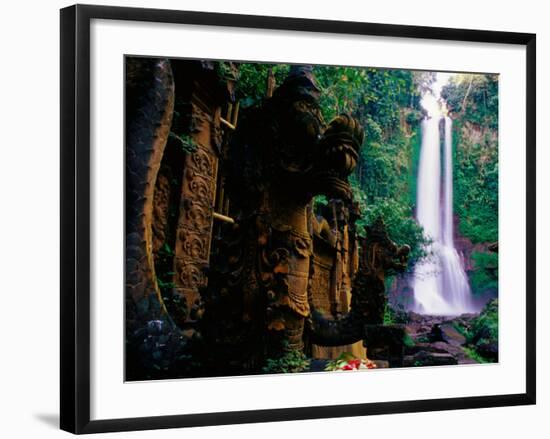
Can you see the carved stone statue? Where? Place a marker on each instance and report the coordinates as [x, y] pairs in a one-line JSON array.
[[282, 156], [379, 257]]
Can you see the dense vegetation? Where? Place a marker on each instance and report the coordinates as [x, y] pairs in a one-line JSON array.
[[482, 334], [473, 103]]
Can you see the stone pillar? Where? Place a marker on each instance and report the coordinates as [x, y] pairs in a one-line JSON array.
[[194, 228], [149, 108]]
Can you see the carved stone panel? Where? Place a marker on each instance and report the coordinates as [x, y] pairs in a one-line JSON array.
[[194, 228], [322, 275]]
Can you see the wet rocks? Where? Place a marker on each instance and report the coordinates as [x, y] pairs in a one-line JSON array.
[[425, 358], [438, 341], [436, 334], [451, 335]]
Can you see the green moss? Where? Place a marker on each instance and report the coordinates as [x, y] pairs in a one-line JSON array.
[[186, 142], [408, 341]]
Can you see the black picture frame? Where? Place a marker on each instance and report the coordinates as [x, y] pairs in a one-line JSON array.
[[75, 217]]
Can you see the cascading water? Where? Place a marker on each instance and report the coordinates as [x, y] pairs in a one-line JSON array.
[[440, 282]]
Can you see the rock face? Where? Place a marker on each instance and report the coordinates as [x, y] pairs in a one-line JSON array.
[[446, 333]]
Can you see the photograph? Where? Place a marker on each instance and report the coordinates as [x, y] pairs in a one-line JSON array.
[[299, 218], [270, 220]]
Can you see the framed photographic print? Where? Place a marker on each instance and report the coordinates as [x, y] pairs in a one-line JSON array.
[[268, 218]]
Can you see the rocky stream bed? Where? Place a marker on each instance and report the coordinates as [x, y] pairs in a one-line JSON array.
[[439, 340]]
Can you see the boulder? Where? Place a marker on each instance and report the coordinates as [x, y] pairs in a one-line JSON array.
[[425, 358], [488, 349], [437, 347], [436, 334], [451, 335]]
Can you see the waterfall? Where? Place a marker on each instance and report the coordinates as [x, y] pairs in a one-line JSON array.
[[440, 283]]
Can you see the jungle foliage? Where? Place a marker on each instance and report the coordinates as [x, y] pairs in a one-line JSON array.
[[484, 276], [473, 102], [474, 98], [482, 335]]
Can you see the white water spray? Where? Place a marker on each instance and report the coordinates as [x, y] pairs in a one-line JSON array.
[[440, 282]]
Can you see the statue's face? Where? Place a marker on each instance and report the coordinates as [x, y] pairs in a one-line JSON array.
[[337, 156], [301, 130], [337, 162], [319, 168], [342, 159]]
